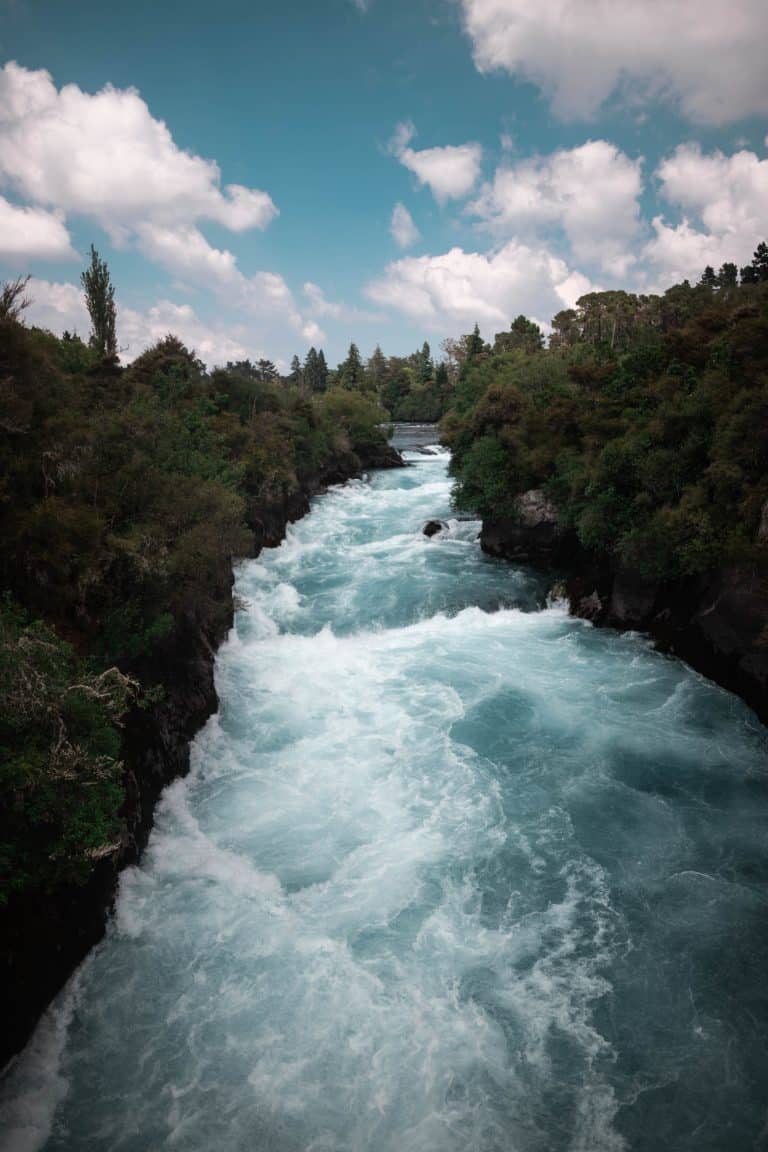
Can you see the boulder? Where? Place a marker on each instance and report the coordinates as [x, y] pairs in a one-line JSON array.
[[534, 535], [432, 527]]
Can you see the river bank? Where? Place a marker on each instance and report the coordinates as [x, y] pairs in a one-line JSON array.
[[716, 623], [46, 939]]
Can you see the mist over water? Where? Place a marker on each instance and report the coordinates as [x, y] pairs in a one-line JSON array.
[[451, 871]]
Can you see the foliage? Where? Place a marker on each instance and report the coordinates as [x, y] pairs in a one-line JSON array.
[[646, 421], [60, 771], [100, 301], [124, 495]]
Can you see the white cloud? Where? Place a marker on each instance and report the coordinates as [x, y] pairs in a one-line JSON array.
[[105, 156], [723, 201], [450, 172], [450, 292], [318, 304], [213, 343], [60, 307], [33, 234], [403, 230], [313, 333], [186, 253], [707, 56], [590, 192]]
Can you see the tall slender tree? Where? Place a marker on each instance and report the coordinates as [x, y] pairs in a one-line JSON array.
[[100, 302]]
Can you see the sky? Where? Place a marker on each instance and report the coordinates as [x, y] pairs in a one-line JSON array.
[[265, 176]]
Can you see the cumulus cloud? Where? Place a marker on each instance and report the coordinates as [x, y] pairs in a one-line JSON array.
[[450, 292], [60, 307], [105, 156], [33, 234], [186, 253], [590, 193], [722, 200], [313, 333], [450, 172], [402, 228], [706, 56]]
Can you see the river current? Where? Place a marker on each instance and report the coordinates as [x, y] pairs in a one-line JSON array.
[[451, 872]]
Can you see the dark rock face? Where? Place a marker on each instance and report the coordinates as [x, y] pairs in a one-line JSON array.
[[717, 623], [384, 456], [432, 527], [533, 536], [44, 940]]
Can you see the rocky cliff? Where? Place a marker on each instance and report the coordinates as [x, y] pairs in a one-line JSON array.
[[717, 623]]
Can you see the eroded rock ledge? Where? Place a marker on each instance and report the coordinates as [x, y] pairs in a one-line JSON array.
[[717, 623]]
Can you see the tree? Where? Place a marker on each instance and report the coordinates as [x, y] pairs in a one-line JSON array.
[[422, 362], [100, 301], [266, 371], [351, 372], [475, 343], [296, 376], [708, 277], [376, 368], [13, 298], [315, 371], [760, 261], [727, 277], [322, 372], [565, 329], [523, 334]]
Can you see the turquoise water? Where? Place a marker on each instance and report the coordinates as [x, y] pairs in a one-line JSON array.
[[451, 871]]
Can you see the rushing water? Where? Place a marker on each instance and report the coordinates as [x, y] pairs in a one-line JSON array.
[[452, 871]]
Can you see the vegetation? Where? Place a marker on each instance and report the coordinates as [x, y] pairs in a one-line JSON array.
[[645, 421], [124, 494], [408, 388]]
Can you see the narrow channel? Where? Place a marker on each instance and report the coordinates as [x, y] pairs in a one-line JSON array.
[[452, 871]]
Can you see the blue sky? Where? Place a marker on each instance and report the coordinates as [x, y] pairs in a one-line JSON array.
[[530, 153]]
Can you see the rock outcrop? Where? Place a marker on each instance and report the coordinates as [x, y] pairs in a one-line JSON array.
[[534, 535], [717, 623]]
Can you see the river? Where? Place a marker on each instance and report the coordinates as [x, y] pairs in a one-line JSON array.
[[451, 871]]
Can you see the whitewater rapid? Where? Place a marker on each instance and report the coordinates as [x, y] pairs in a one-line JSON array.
[[451, 871]]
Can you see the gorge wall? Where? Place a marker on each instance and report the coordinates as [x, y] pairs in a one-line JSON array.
[[46, 939], [717, 623]]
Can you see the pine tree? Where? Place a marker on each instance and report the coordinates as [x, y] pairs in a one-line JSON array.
[[475, 343], [322, 372], [708, 277], [351, 372], [376, 367], [296, 376], [100, 301], [760, 261], [423, 364]]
